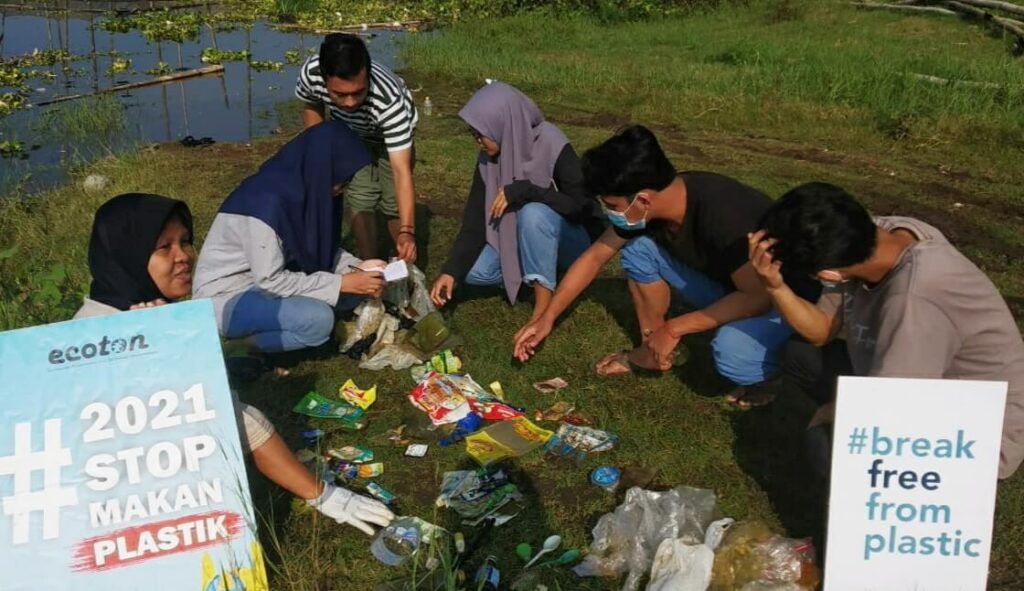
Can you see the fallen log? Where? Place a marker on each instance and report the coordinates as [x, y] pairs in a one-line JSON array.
[[1008, 25], [947, 82], [904, 8], [1011, 8], [394, 26], [205, 71]]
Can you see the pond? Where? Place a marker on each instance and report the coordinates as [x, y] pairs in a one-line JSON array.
[[75, 54]]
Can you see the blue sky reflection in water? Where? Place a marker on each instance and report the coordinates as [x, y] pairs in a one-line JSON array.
[[236, 107]]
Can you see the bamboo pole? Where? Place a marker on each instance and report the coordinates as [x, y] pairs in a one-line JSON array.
[[947, 82], [1009, 25], [205, 71]]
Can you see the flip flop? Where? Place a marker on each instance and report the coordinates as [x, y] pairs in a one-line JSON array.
[[623, 359], [755, 396]]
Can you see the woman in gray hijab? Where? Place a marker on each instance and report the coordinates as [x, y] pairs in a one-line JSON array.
[[528, 212]]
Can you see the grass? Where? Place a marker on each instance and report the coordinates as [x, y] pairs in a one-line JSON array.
[[773, 101]]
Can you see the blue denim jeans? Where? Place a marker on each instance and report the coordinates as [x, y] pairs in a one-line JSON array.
[[547, 242], [276, 324], [745, 351]]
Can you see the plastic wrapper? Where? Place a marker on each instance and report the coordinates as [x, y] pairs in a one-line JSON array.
[[348, 471], [511, 438], [750, 552], [577, 441], [355, 454], [625, 540], [770, 586], [369, 315], [440, 399], [555, 412], [487, 405], [395, 356], [321, 407], [444, 362], [419, 297], [466, 426], [351, 394], [476, 493], [679, 566], [380, 493]]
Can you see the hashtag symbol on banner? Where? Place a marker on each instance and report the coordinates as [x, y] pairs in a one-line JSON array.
[[858, 440], [22, 464]]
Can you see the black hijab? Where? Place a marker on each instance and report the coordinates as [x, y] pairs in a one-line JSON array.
[[124, 234]]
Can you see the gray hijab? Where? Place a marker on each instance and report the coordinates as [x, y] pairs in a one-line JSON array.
[[530, 146]]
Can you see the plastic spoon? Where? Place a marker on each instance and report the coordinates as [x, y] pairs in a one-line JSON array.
[[524, 551], [550, 545], [567, 557]]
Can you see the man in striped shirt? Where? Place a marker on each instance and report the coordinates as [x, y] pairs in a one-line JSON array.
[[343, 83]]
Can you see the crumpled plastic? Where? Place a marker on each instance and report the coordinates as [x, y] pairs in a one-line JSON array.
[[625, 540], [369, 315], [681, 566], [751, 553], [395, 356], [410, 295]]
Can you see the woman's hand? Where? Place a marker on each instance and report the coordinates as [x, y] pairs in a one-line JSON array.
[[441, 292], [152, 304], [769, 271], [500, 204], [364, 283]]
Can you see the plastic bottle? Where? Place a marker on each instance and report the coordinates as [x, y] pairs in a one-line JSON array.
[[428, 107], [488, 576]]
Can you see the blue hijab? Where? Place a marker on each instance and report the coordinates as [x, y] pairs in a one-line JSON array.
[[293, 193]]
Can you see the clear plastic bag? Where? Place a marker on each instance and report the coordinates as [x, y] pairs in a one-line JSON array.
[[751, 553], [679, 566], [369, 315], [400, 356], [626, 539]]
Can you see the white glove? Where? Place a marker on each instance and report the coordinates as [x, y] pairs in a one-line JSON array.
[[344, 506]]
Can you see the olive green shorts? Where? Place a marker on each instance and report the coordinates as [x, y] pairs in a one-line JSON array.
[[373, 187]]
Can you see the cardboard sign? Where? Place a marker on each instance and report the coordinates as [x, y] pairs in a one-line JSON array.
[[914, 468], [120, 463]]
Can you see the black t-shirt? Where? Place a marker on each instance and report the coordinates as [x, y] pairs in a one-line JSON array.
[[720, 211]]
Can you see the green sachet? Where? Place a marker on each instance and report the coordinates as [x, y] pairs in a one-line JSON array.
[[315, 405]]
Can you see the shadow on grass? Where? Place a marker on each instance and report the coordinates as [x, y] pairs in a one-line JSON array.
[[769, 447]]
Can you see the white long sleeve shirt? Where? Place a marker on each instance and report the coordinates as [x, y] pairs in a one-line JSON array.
[[242, 253]]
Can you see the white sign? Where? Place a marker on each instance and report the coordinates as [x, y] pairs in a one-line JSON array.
[[914, 468]]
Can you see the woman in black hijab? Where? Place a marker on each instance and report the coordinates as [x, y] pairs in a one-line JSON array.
[[140, 256]]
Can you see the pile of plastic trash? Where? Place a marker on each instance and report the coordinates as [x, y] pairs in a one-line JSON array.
[[670, 535]]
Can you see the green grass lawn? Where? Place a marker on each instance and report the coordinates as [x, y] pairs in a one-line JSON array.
[[774, 94]]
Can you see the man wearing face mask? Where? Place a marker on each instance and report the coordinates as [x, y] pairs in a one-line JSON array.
[[910, 305], [678, 232]]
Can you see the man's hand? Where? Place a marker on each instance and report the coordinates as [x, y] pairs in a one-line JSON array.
[[500, 205], [769, 271], [406, 246], [530, 337], [662, 345], [364, 283], [441, 292]]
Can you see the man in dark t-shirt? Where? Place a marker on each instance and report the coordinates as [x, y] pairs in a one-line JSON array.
[[683, 232]]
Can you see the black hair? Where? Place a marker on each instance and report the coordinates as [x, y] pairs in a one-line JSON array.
[[819, 226], [628, 162], [344, 56]]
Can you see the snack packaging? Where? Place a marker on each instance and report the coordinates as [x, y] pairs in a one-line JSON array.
[[351, 394], [315, 405]]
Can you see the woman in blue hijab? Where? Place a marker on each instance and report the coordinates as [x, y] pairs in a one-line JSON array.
[[273, 263], [528, 211]]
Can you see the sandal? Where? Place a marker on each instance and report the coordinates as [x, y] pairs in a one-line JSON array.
[[754, 396], [625, 361]]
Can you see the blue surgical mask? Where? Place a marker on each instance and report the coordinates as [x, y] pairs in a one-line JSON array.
[[618, 219]]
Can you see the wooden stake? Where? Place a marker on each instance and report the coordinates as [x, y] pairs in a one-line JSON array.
[[205, 71]]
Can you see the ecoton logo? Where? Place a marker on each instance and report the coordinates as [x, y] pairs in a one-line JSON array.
[[105, 347]]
